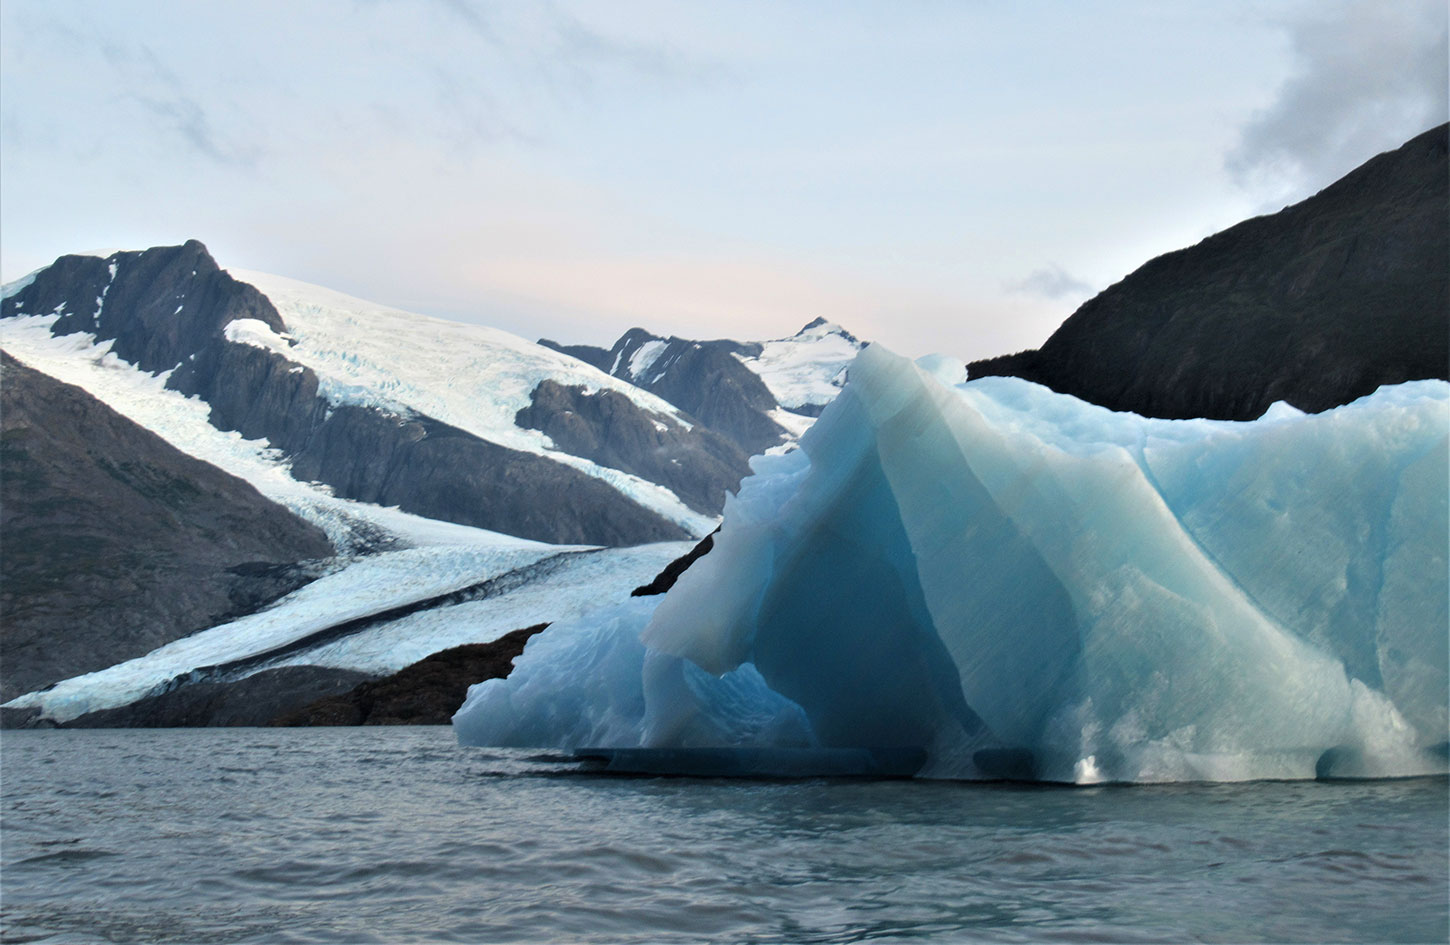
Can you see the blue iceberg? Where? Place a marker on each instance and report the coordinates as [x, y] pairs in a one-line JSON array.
[[990, 579]]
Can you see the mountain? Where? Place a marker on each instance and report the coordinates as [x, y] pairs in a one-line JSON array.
[[115, 542], [758, 394], [1316, 305], [445, 484], [453, 422], [208, 481]]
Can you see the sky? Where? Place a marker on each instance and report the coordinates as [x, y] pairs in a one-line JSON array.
[[937, 176]]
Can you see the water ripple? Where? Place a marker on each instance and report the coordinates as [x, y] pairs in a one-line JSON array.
[[397, 835]]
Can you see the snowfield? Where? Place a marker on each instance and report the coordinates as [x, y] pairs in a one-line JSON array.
[[578, 579], [470, 376], [807, 369]]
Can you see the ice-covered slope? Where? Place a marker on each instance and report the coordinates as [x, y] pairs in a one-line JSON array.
[[183, 422], [998, 581], [420, 601]]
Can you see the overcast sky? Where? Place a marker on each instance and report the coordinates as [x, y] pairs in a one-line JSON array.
[[939, 176]]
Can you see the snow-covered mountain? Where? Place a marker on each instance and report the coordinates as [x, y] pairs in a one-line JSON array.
[[463, 477], [454, 422], [761, 395]]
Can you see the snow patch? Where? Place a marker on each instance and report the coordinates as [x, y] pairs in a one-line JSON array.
[[644, 357], [808, 369]]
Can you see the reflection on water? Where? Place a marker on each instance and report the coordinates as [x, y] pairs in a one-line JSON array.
[[396, 834]]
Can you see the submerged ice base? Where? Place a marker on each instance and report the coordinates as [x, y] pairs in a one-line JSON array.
[[1014, 583]]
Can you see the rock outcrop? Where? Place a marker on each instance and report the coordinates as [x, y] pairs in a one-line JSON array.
[[425, 693], [696, 464], [115, 542], [703, 378], [1317, 305]]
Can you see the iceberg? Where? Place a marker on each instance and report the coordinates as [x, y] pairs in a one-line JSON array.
[[998, 581]]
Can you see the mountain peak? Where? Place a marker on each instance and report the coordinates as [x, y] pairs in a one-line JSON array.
[[819, 328]]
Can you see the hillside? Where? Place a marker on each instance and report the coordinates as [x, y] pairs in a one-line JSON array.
[[115, 542], [1316, 305]]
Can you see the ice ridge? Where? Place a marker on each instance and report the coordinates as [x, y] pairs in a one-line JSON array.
[[1014, 583]]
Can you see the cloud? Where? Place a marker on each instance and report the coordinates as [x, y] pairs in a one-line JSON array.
[[151, 84], [1052, 282], [1369, 75]]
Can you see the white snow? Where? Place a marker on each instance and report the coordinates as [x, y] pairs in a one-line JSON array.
[[644, 357], [794, 423], [568, 586], [807, 368], [364, 587], [553, 583], [183, 422], [470, 376]]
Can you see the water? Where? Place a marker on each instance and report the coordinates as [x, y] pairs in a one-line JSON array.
[[397, 835]]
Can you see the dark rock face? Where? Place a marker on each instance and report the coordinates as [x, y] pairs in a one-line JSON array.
[[418, 463], [161, 305], [426, 693], [666, 579], [702, 378], [115, 542], [255, 700], [697, 465], [1317, 305]]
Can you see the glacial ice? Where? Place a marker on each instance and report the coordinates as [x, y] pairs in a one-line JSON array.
[[1014, 583]]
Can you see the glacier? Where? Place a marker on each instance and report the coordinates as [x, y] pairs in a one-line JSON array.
[[994, 580]]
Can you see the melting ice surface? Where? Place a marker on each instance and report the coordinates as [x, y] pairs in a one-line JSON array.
[[1012, 583]]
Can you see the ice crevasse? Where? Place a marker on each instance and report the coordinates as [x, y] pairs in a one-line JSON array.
[[991, 579]]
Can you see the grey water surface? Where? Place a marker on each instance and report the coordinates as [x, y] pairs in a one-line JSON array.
[[399, 835]]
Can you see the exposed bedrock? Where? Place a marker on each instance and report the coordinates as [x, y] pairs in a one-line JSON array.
[[418, 463], [115, 542], [705, 379], [698, 465], [160, 305], [425, 693], [1317, 305]]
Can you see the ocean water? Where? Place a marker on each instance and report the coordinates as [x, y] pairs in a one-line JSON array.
[[399, 835]]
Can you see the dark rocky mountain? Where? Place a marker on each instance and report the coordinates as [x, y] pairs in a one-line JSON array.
[[114, 542], [709, 380], [1317, 305], [167, 308], [160, 306]]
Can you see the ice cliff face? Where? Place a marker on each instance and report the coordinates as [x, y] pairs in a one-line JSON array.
[[1011, 582]]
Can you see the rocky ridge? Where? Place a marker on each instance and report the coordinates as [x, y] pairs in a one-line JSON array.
[[1316, 305]]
